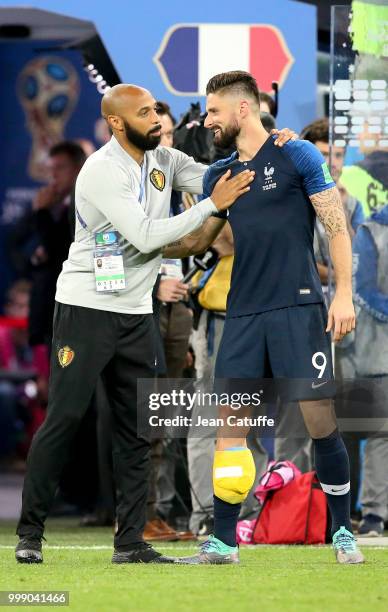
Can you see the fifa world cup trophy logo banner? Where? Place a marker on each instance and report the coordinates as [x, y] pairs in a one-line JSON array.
[[48, 90]]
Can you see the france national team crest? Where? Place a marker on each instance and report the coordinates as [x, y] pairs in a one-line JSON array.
[[269, 183], [158, 179], [65, 356]]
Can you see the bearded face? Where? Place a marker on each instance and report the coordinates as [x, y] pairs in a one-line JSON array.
[[223, 119], [145, 142], [225, 136]]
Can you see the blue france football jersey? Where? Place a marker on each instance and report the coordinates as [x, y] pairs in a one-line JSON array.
[[273, 227]]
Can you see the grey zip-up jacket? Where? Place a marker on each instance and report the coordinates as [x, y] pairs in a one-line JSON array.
[[114, 193]]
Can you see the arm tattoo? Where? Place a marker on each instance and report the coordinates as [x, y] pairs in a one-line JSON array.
[[178, 243], [175, 250], [330, 211]]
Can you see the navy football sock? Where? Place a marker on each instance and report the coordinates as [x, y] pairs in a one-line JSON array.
[[332, 466], [225, 521]]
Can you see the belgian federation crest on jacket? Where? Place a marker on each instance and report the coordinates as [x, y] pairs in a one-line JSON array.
[[158, 179]]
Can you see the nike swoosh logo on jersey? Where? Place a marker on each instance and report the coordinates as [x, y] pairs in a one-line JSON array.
[[338, 490], [315, 386]]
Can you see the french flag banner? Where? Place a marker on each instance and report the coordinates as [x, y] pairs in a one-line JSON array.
[[190, 54]]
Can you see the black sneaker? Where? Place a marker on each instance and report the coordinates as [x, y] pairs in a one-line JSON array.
[[29, 550], [371, 526], [142, 553]]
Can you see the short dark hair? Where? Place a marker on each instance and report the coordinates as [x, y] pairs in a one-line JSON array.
[[71, 149], [162, 108], [264, 97], [316, 131], [235, 80]]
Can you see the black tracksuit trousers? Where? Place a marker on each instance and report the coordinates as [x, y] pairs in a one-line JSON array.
[[121, 348]]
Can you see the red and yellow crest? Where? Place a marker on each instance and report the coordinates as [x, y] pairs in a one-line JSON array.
[[65, 356], [158, 179]]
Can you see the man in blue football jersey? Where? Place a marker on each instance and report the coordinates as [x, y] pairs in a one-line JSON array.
[[276, 322]]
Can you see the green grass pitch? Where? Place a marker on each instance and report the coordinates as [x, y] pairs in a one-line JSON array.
[[268, 579]]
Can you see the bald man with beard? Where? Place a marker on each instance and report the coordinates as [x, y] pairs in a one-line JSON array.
[[103, 324]]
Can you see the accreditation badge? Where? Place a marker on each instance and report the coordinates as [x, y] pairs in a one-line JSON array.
[[171, 268], [108, 263]]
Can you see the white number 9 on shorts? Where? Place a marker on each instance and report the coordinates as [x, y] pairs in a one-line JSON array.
[[321, 364]]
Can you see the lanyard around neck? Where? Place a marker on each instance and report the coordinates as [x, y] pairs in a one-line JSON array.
[[143, 179]]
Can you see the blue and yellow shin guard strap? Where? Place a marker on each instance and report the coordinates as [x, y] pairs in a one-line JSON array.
[[233, 474]]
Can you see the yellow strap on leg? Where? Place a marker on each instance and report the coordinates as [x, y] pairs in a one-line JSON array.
[[233, 475]]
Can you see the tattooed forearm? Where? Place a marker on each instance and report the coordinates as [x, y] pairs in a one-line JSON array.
[[330, 211], [195, 242], [177, 249], [178, 243], [328, 207]]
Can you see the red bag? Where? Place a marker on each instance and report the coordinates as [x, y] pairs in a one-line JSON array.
[[295, 514]]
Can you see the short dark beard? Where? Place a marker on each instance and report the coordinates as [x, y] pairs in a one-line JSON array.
[[144, 142], [228, 136]]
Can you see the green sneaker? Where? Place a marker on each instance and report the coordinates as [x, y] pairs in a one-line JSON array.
[[213, 551], [345, 547]]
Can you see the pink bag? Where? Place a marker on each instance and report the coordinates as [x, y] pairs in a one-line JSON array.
[[278, 475], [244, 531]]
